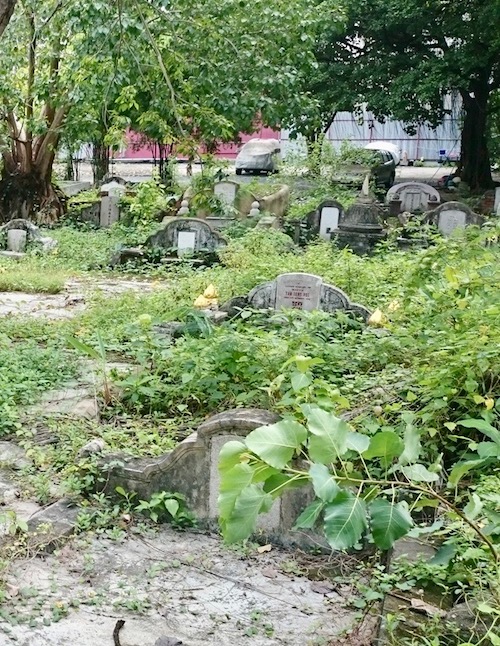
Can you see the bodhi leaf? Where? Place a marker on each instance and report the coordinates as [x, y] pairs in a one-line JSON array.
[[389, 522], [329, 433], [279, 482], [419, 473], [357, 442], [483, 426], [230, 455], [232, 484], [310, 515], [240, 524], [460, 469], [385, 445], [277, 443], [345, 521], [325, 487], [412, 445]]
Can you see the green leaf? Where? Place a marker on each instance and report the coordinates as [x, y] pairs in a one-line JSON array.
[[385, 445], [328, 441], [325, 487], [419, 473], [230, 455], [389, 522], [242, 521], [444, 554], [483, 426], [276, 444], [488, 450], [310, 515], [300, 380], [412, 445], [172, 506], [460, 469], [281, 482], [357, 442], [232, 484], [83, 348], [345, 521], [304, 363]]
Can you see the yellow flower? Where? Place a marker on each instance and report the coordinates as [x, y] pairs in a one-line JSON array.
[[377, 319], [210, 292], [202, 303]]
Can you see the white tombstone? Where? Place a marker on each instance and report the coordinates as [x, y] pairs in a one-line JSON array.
[[226, 192], [298, 291], [450, 220], [328, 221], [496, 208], [414, 196], [16, 240], [186, 242], [110, 199]]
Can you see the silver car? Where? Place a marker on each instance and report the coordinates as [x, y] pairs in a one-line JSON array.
[[258, 156]]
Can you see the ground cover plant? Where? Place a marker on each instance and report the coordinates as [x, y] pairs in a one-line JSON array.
[[419, 389]]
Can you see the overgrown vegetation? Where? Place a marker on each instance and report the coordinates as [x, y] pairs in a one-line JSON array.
[[420, 391]]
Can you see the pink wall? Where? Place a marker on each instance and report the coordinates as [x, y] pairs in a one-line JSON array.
[[137, 149]]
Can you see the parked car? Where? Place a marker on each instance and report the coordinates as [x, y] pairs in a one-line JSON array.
[[258, 156], [383, 170]]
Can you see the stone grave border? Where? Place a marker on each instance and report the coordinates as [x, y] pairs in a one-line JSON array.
[[191, 468], [471, 218], [331, 298]]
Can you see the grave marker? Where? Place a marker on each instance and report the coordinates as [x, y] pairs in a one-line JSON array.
[[298, 291], [226, 192], [453, 215], [295, 291], [412, 196], [110, 198]]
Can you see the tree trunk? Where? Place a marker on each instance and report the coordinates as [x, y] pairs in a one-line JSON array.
[[165, 172], [475, 157], [6, 11], [100, 161], [30, 195]]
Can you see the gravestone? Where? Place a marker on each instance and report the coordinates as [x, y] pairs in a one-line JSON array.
[[16, 240], [325, 219], [32, 235], [298, 291], [226, 191], [496, 206], [295, 291], [360, 227], [412, 197], [191, 468], [110, 199], [453, 215], [185, 235]]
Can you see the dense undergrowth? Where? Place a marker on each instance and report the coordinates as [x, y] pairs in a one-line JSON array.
[[432, 363]]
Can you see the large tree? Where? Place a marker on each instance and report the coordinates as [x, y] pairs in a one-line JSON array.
[[6, 10], [404, 57], [188, 72]]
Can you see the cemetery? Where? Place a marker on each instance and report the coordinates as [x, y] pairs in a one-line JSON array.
[[246, 408]]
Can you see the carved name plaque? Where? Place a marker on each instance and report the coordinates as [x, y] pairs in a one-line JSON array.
[[298, 291]]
